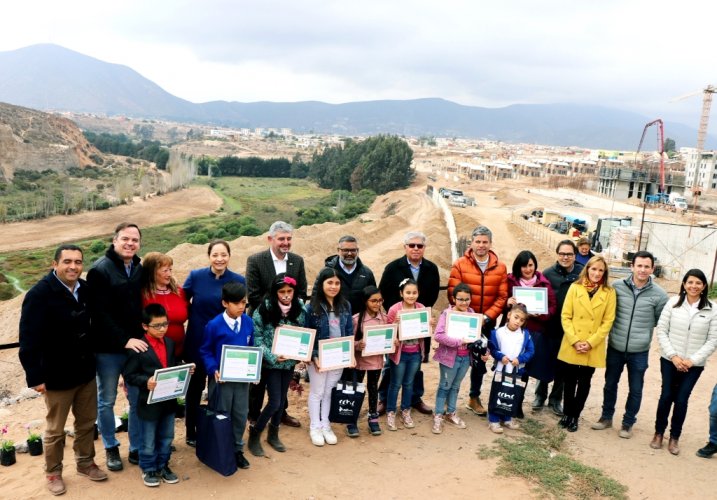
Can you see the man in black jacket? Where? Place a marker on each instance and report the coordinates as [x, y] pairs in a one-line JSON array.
[[56, 354], [354, 275], [116, 308], [425, 273]]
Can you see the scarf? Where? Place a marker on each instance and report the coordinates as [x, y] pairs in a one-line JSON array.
[[284, 309], [531, 282], [590, 286]]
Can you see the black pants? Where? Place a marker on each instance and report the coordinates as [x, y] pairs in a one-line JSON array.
[[194, 396], [577, 387], [371, 385], [556, 394], [676, 389], [256, 397], [277, 385]]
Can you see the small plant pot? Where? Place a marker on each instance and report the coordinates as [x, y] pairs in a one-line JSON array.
[[35, 448], [7, 457], [125, 424]]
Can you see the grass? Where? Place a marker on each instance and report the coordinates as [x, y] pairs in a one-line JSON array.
[[539, 457], [262, 199]]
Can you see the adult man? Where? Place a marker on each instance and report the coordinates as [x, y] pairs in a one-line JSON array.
[[425, 273], [487, 277], [354, 275], [116, 310], [261, 268], [640, 302], [56, 354], [561, 276]]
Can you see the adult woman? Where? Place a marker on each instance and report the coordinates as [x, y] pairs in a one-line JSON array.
[[587, 316], [160, 287], [525, 274], [584, 253], [203, 287], [687, 331], [329, 313]]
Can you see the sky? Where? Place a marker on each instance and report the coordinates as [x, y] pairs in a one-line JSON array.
[[635, 55]]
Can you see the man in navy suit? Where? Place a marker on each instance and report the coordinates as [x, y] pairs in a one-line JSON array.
[[261, 268]]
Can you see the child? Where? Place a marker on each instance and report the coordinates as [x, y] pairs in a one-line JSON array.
[[370, 314], [157, 419], [232, 327], [511, 346], [405, 361], [453, 357], [329, 313], [281, 306]]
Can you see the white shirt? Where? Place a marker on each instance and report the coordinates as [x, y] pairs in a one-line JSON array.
[[279, 264], [510, 344], [231, 321]]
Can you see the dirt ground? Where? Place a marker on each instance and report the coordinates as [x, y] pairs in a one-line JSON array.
[[444, 466]]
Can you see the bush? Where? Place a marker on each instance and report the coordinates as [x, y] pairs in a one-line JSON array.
[[250, 230], [198, 239], [7, 291], [97, 246]]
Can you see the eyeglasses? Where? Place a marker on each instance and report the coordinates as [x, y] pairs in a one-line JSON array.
[[158, 326], [415, 245], [348, 250], [566, 254], [375, 301]]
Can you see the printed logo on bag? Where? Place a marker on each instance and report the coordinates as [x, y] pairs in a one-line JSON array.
[[505, 395]]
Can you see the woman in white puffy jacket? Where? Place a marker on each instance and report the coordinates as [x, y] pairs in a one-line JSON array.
[[687, 332]]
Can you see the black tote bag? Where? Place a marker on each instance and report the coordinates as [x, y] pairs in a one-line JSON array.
[[346, 402], [506, 395], [215, 438]]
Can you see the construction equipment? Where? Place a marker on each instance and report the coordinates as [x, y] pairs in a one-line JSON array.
[[660, 148]]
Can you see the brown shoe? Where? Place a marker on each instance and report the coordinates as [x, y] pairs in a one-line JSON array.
[[93, 472], [381, 408], [290, 421], [476, 407], [674, 446], [55, 484], [656, 442], [422, 407]]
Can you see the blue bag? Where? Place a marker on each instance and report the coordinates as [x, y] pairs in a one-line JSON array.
[[215, 438]]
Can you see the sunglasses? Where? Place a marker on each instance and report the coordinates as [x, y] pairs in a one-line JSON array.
[[415, 245]]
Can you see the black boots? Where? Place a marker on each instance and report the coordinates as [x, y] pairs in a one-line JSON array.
[[255, 442], [273, 439], [570, 424]]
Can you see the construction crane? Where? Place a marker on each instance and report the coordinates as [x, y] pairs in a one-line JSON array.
[[660, 148]]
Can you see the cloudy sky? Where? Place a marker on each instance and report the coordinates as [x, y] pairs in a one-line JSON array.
[[631, 54]]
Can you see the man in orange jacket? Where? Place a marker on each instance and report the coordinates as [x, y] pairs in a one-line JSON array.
[[487, 277]]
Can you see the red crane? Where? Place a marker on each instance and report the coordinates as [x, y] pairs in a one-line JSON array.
[[660, 148]]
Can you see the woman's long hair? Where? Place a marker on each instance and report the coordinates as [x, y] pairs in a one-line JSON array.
[[704, 301], [318, 298], [150, 263], [366, 294], [594, 260], [269, 309]]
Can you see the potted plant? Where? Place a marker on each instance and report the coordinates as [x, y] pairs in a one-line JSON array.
[[34, 442], [181, 407], [125, 422], [7, 448]]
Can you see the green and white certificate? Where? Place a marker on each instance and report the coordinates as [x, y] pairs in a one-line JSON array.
[[414, 324], [463, 325], [240, 364], [293, 342], [379, 339], [172, 383], [336, 353], [534, 298]]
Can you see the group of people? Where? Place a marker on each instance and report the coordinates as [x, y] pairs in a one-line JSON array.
[[128, 319]]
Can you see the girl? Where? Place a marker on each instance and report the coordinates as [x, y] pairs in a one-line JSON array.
[[281, 306], [370, 313], [511, 346], [329, 313], [405, 361], [687, 331], [587, 316], [454, 360]]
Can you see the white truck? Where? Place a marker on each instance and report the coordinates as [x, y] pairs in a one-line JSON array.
[[678, 201]]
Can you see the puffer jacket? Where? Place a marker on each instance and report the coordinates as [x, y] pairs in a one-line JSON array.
[[636, 316], [264, 338], [489, 290], [688, 337]]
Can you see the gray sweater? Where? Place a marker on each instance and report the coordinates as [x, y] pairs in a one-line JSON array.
[[636, 316]]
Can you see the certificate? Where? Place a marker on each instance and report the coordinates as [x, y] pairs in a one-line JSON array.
[[379, 339], [240, 364], [292, 342], [464, 325], [336, 353], [534, 298], [172, 383], [414, 324]]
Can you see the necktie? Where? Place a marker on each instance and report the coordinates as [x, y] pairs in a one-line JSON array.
[[236, 326]]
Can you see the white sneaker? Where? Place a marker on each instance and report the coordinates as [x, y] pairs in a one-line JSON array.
[[511, 424], [495, 427], [317, 437], [329, 436]]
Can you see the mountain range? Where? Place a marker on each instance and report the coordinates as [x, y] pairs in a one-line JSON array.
[[50, 77]]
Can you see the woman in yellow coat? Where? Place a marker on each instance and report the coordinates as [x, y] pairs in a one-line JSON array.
[[587, 316]]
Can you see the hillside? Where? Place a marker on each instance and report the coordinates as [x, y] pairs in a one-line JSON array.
[[51, 77]]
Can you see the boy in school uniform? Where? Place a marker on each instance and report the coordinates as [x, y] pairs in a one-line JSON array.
[[157, 419], [232, 327]]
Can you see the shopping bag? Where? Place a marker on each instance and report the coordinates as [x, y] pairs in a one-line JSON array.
[[215, 438], [506, 394], [346, 401]]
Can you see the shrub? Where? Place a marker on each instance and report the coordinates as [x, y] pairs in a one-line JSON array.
[[198, 239]]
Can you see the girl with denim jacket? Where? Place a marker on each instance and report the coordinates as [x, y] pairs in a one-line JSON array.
[[329, 313]]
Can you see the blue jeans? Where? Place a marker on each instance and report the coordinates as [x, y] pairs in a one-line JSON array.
[[636, 367], [713, 416], [676, 389], [109, 369], [450, 384], [402, 375], [157, 437]]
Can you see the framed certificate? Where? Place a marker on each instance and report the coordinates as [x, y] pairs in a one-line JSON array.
[[379, 339], [414, 324], [336, 353], [534, 298], [464, 325], [240, 364], [293, 342], [172, 383]]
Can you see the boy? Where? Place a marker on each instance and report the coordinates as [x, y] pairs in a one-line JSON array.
[[232, 327], [157, 419]]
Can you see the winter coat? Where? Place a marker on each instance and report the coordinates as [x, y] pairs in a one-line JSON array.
[[429, 281], [636, 316], [489, 290], [688, 337], [264, 338]]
